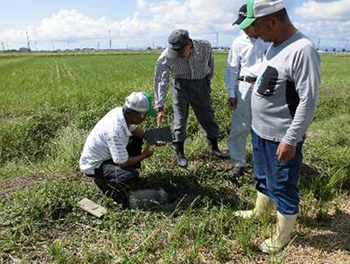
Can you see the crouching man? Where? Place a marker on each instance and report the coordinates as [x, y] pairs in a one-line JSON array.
[[113, 150]]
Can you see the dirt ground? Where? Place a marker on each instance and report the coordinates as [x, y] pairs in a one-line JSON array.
[[325, 241]]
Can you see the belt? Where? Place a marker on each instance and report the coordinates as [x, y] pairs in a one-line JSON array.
[[247, 79]]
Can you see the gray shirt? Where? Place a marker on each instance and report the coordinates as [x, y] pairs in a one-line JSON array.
[[286, 92], [198, 65]]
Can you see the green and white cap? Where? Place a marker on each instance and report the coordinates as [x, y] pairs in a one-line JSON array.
[[260, 8], [140, 102]]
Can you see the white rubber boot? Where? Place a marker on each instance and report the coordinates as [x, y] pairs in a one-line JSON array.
[[284, 228], [262, 206]]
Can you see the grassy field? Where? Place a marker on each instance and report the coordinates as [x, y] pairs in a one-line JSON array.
[[49, 103]]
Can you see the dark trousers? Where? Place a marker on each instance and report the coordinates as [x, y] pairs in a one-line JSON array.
[[276, 179], [197, 94], [115, 181]]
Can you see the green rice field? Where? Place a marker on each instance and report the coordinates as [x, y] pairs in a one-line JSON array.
[[49, 103]]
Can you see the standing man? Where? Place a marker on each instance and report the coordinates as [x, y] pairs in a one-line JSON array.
[[243, 62], [283, 103], [113, 150], [191, 64]]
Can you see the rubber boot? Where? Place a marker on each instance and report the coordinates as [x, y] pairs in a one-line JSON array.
[[215, 151], [284, 228], [181, 159], [262, 208]]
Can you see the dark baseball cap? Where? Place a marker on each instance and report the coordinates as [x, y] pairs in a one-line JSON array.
[[177, 40], [242, 14]]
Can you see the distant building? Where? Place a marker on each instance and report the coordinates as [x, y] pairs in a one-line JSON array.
[[23, 49], [155, 48]]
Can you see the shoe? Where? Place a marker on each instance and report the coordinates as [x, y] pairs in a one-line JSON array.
[[262, 208], [238, 171], [215, 151], [181, 159], [284, 228]]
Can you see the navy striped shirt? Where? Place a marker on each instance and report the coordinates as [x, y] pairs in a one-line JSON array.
[[198, 65]]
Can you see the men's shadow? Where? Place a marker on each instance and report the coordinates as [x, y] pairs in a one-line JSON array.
[[331, 233]]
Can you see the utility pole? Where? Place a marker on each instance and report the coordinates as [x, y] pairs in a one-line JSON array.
[[28, 40], [318, 44], [98, 45], [110, 40], [3, 46], [217, 39]]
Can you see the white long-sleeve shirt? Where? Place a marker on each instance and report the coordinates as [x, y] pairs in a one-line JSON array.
[[245, 58]]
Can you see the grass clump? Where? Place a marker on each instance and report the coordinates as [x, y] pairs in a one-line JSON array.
[[28, 138]]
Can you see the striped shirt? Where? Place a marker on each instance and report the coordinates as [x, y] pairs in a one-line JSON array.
[[107, 140], [198, 65], [245, 59]]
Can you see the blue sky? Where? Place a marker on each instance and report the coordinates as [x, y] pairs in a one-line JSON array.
[[53, 24]]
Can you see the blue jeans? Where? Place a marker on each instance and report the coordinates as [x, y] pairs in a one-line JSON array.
[[276, 179]]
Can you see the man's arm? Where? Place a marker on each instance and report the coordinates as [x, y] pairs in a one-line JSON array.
[[119, 153], [139, 132], [211, 63], [233, 67], [161, 81], [133, 160], [307, 81]]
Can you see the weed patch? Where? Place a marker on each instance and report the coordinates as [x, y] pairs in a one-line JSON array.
[[28, 139]]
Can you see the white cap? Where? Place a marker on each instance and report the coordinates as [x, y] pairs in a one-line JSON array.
[[260, 8], [137, 101], [267, 7]]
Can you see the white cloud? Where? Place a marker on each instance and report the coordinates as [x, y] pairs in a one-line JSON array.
[[153, 21], [325, 10], [70, 24], [329, 22], [328, 33]]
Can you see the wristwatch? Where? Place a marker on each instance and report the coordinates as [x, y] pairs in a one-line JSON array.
[[161, 109]]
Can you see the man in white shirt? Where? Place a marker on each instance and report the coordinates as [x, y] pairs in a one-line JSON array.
[[113, 150], [243, 62]]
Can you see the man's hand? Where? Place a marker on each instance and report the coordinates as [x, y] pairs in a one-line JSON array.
[[285, 152], [232, 103], [147, 152], [160, 116], [160, 143]]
